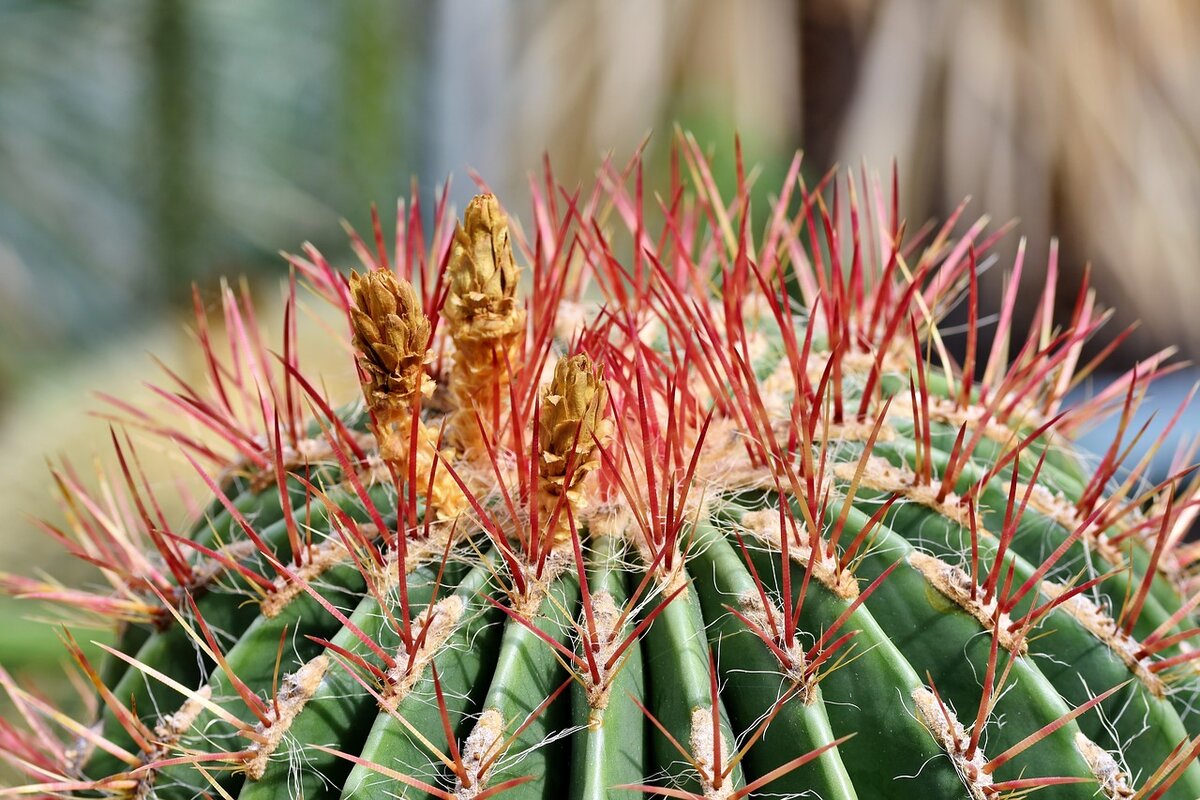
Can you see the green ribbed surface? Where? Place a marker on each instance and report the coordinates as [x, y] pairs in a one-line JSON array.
[[909, 636]]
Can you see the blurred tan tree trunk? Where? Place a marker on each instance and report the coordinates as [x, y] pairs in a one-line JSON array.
[[1079, 117]]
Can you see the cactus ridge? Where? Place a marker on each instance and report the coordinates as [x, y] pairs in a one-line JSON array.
[[705, 512]]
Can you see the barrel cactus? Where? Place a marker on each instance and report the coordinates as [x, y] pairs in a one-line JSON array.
[[639, 503]]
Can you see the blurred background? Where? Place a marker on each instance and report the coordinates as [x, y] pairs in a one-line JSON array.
[[146, 145]]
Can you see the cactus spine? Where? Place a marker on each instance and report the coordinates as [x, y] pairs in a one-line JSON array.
[[722, 519]]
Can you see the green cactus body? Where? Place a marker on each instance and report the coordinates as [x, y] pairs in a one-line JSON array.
[[636, 535]]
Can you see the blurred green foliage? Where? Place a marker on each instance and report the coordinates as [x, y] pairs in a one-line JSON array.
[[34, 656], [149, 144]]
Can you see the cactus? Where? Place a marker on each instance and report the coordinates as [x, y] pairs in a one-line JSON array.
[[701, 513]]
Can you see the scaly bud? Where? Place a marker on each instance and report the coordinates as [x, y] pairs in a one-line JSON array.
[[482, 302], [484, 317], [391, 334], [571, 423]]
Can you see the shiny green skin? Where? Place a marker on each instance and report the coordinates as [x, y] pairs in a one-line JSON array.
[[908, 637]]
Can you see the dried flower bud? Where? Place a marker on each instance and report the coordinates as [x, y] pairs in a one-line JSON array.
[[481, 303], [484, 319], [572, 421], [391, 333]]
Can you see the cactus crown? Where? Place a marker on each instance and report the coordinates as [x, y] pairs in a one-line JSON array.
[[724, 519]]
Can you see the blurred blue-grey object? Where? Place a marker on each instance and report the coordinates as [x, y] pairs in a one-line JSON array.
[[1163, 400]]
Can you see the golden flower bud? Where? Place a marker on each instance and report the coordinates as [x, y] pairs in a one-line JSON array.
[[481, 303], [484, 319], [391, 333], [572, 421]]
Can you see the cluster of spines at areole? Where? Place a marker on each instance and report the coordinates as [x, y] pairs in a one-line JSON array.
[[702, 511]]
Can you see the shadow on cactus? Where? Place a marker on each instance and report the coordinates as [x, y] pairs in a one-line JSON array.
[[719, 519]]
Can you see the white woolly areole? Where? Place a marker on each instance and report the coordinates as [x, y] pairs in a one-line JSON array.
[[764, 525], [955, 584], [1102, 626], [882, 476], [1113, 782], [750, 604], [1063, 512], [479, 747], [442, 619], [950, 734], [606, 614], [326, 555], [700, 741], [294, 693]]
